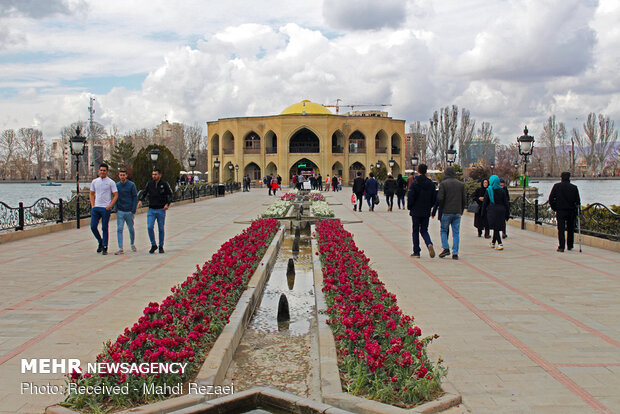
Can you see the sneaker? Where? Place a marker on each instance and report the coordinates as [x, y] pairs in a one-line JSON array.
[[500, 247], [415, 255], [100, 248], [431, 250], [133, 248], [455, 257], [104, 251], [561, 250], [492, 245], [153, 248], [444, 253], [119, 251], [505, 236], [161, 249]]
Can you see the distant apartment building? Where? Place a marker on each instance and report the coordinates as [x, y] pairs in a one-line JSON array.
[[415, 144], [479, 152]]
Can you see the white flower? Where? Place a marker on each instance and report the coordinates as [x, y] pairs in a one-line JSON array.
[[277, 209], [321, 209]]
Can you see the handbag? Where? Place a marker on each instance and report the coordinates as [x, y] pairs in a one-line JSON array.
[[473, 207], [375, 199]]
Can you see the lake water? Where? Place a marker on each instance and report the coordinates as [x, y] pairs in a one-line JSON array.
[[28, 193], [603, 191]]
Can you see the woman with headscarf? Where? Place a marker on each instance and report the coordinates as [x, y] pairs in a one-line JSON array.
[[480, 219], [401, 190], [495, 206], [502, 182]]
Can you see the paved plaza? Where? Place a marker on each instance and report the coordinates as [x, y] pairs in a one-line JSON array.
[[521, 330]]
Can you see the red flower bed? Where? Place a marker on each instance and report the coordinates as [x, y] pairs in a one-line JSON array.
[[289, 197], [183, 327], [381, 354]]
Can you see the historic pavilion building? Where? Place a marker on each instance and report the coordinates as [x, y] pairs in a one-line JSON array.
[[308, 138]]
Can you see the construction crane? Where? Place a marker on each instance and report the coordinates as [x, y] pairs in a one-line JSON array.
[[337, 106]]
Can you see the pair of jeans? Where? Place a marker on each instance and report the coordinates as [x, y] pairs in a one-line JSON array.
[[370, 199], [420, 228], [123, 217], [448, 220], [158, 214], [389, 199], [401, 199], [96, 214], [566, 222]]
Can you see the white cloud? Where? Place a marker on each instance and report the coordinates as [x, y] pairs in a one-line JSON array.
[[509, 62]]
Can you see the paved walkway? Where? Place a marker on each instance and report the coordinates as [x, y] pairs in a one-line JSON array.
[[522, 330]]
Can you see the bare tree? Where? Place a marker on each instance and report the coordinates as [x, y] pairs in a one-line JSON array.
[[140, 138], [554, 137], [8, 144], [192, 138], [42, 154], [465, 135], [598, 141], [485, 140], [433, 140], [27, 139], [445, 130]]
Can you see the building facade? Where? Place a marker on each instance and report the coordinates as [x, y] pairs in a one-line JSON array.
[[305, 138]]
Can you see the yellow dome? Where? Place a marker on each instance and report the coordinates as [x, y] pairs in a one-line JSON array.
[[306, 107]]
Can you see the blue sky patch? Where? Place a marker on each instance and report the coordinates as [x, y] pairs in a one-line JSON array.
[[103, 84]]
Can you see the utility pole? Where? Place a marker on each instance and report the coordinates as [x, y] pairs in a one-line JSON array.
[[91, 139]]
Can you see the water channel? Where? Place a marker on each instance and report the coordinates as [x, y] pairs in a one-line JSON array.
[[282, 354]]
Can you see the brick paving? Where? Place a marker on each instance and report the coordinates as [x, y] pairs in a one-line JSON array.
[[522, 330]]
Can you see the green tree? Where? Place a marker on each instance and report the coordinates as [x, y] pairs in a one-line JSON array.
[[166, 162], [381, 173], [122, 157]]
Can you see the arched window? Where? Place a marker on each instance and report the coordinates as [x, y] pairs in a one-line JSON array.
[[304, 141], [357, 143], [251, 143]]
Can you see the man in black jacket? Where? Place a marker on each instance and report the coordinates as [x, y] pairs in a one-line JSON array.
[[160, 196], [358, 190], [420, 200], [564, 200]]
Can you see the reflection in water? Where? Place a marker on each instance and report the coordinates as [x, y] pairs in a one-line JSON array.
[[298, 288]]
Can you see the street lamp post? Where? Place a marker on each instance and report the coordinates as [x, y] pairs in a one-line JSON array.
[[392, 163], [451, 155], [526, 147], [216, 166], [191, 161], [154, 154], [232, 175], [237, 172], [492, 166], [414, 161], [76, 144]]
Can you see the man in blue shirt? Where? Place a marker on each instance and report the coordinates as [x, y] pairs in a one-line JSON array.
[[371, 186], [126, 208]]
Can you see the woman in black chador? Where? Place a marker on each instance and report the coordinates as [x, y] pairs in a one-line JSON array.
[[480, 220], [497, 208]]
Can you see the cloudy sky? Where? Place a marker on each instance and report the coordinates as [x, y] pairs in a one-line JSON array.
[[509, 62]]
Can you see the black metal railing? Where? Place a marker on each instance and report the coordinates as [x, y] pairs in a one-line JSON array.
[[596, 219], [45, 211]]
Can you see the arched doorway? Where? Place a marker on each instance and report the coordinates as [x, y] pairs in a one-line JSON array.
[[271, 169], [337, 169], [253, 171], [304, 166], [396, 170], [304, 141], [354, 169]]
